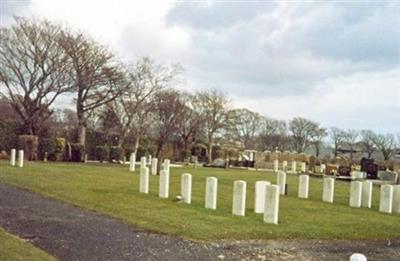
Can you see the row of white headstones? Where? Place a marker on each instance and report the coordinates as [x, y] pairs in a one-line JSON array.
[[303, 166], [13, 158], [267, 194]]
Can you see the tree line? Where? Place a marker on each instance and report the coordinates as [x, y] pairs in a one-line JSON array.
[[138, 103]]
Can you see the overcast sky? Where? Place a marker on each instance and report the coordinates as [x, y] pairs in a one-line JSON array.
[[337, 63]]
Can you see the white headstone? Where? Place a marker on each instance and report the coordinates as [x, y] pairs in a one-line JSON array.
[[144, 180], [304, 181], [150, 157], [328, 190], [20, 158], [143, 162], [259, 196], [386, 200], [357, 257], [132, 161], [239, 198], [154, 162], [186, 188], [366, 197], [322, 168], [281, 181], [294, 167], [271, 211], [211, 192], [12, 159], [164, 184], [303, 167], [284, 165], [396, 199], [276, 165], [355, 194], [166, 165]]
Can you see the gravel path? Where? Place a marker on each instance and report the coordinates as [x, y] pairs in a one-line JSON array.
[[71, 233]]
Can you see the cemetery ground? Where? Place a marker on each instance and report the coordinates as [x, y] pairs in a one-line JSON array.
[[304, 224]]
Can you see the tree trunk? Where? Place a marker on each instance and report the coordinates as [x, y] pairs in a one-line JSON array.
[[137, 140], [82, 134], [160, 146], [210, 145]]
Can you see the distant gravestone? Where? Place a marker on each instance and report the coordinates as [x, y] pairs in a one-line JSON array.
[[328, 190], [276, 165], [166, 165], [388, 176], [322, 168], [366, 198], [186, 188], [132, 161], [20, 158], [271, 211], [386, 199], [12, 158], [259, 196], [396, 199], [284, 165], [281, 181], [154, 162], [303, 167], [294, 167], [143, 162], [164, 184], [239, 198], [144, 180], [303, 186], [211, 193], [355, 194]]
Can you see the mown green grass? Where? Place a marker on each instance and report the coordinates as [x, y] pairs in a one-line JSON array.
[[112, 190], [13, 248]]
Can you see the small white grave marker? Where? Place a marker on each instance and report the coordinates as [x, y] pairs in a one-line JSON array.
[[164, 184], [276, 165], [366, 197], [12, 159], [211, 192], [20, 158], [186, 188], [281, 181], [239, 198], [303, 186], [355, 194], [144, 180], [396, 199], [328, 190], [132, 161], [259, 196], [271, 211], [154, 162], [385, 203]]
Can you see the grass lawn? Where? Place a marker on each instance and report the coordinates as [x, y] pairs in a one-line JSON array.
[[112, 190], [13, 248]]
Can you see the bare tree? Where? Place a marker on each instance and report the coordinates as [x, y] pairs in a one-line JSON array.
[[245, 125], [350, 139], [134, 106], [317, 139], [213, 107], [168, 112], [385, 144], [367, 139], [189, 123], [337, 137], [98, 76], [33, 70], [302, 131], [273, 134]]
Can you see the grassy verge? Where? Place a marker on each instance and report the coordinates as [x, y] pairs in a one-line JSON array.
[[13, 248], [112, 190]]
